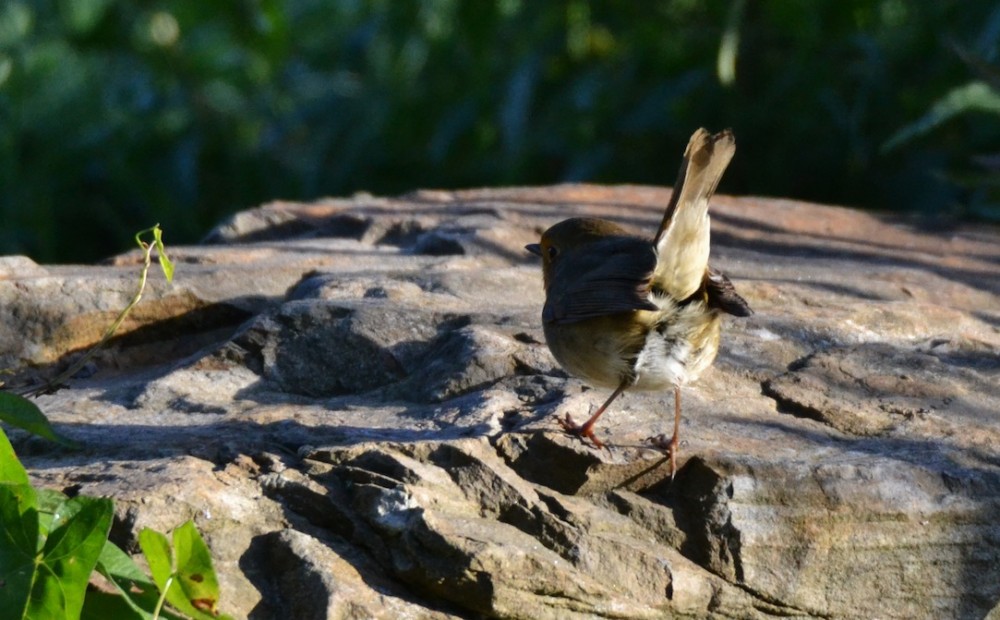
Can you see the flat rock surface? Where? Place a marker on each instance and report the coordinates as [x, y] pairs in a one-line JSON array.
[[354, 402]]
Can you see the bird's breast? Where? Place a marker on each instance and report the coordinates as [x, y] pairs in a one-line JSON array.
[[601, 350]]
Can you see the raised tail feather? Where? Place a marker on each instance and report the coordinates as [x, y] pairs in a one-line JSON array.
[[682, 243]]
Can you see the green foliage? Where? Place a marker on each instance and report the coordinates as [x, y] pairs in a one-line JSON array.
[[50, 545], [115, 113], [23, 410], [137, 595], [165, 263], [972, 97], [975, 172], [22, 413], [11, 471], [183, 574]]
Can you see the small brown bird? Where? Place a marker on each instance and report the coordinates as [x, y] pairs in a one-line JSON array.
[[625, 312]]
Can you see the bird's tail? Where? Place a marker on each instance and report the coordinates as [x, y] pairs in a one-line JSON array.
[[682, 243]]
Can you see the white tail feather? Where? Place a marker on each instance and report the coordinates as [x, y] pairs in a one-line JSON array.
[[682, 243]]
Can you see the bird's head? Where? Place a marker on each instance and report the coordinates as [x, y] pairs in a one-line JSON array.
[[567, 236]]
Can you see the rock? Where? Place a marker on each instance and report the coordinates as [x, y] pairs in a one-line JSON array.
[[866, 389], [354, 402], [311, 578], [19, 267]]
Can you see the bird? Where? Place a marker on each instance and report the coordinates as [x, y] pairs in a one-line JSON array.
[[626, 312]]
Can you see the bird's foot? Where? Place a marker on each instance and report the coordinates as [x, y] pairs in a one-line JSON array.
[[662, 442], [670, 446], [572, 428]]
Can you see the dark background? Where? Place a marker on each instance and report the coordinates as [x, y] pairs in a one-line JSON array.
[[117, 115]]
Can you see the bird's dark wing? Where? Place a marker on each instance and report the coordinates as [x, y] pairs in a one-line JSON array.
[[722, 294], [600, 278]]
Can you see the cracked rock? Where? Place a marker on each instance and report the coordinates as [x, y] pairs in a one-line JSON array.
[[353, 401]]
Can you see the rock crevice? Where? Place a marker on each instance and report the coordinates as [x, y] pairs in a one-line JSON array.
[[354, 401]]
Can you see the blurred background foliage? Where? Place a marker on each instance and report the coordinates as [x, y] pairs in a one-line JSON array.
[[115, 115]]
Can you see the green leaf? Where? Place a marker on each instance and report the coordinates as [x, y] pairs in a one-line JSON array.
[[82, 16], [103, 605], [11, 470], [194, 589], [196, 576], [80, 528], [18, 546], [22, 413], [972, 97], [49, 501], [116, 564], [165, 264], [138, 592], [159, 556]]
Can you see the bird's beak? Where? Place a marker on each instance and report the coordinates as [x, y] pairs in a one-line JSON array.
[[534, 248]]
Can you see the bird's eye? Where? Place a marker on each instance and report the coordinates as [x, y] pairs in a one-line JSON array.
[[553, 251]]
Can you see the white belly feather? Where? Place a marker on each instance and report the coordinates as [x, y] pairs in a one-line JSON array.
[[679, 348]]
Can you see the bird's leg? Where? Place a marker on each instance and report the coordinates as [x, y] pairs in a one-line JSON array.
[[587, 428], [675, 440], [673, 444]]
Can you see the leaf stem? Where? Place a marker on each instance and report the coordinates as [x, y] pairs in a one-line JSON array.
[[163, 597], [147, 249]]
